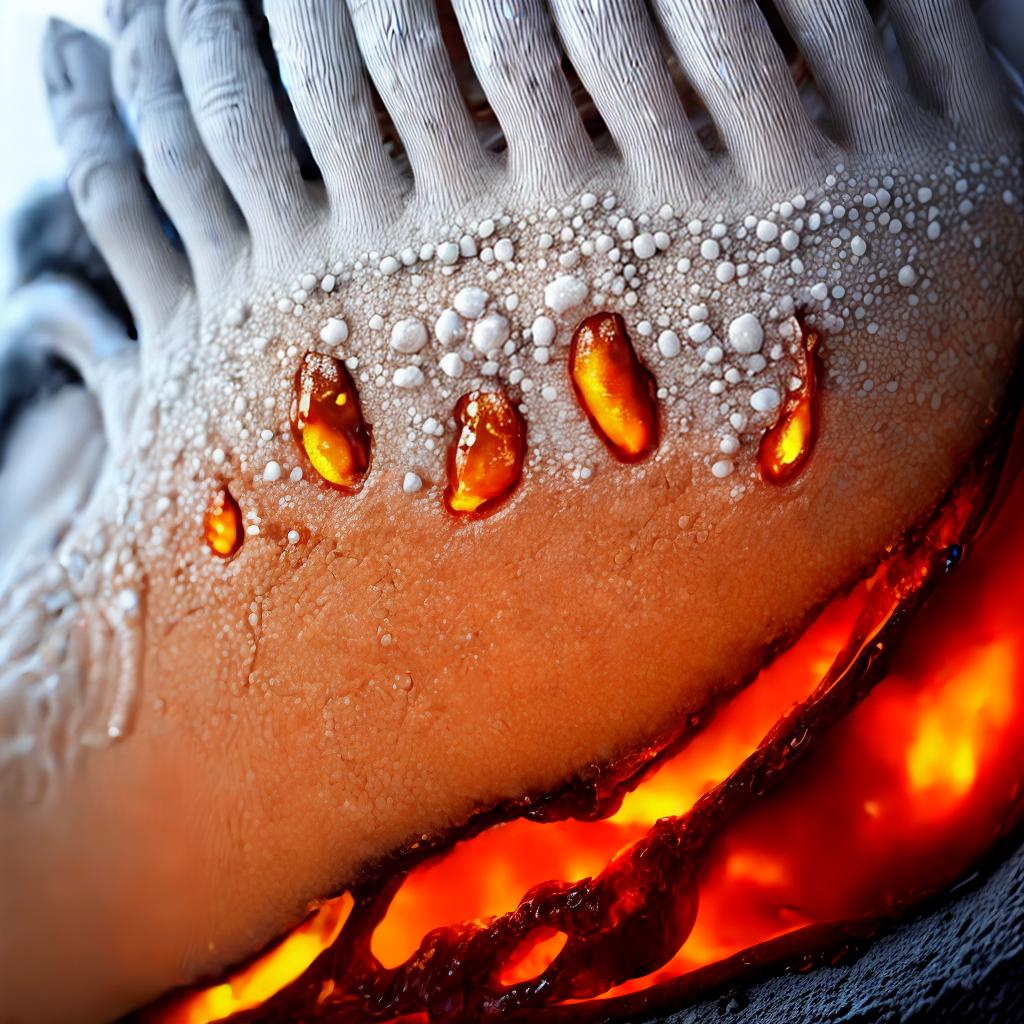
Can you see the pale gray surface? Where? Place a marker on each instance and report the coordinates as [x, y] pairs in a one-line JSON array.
[[30, 153]]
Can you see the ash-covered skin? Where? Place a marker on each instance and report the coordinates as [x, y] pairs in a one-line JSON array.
[[896, 232]]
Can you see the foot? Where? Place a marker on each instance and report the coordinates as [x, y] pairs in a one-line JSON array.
[[234, 737]]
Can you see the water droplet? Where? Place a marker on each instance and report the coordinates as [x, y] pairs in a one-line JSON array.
[[328, 423], [485, 460], [617, 392], [786, 446], [222, 525]]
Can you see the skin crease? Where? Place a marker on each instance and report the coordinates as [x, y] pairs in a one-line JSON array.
[[268, 765]]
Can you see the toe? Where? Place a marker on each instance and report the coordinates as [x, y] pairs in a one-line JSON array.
[[867, 110], [180, 170], [108, 191], [615, 51], [405, 54], [323, 74], [519, 66], [949, 67], [233, 105], [727, 51]]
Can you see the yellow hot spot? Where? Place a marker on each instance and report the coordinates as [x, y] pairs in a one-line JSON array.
[[607, 404], [486, 459], [615, 389], [331, 457], [328, 423], [794, 438], [755, 866], [952, 730], [786, 446], [534, 956], [222, 525], [264, 977]]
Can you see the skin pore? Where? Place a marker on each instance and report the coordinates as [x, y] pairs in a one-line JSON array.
[[233, 740]]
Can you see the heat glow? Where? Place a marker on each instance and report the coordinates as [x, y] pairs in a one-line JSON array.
[[899, 799], [254, 984], [615, 389], [485, 460], [222, 525], [787, 446], [327, 422]]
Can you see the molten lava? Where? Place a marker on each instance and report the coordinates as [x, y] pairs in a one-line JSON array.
[[615, 389], [269, 973], [787, 445], [328, 423], [485, 460], [222, 525], [870, 764]]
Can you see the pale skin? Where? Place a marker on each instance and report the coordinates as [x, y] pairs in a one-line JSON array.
[[309, 707]]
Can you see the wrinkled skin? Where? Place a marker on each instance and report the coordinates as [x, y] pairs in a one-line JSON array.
[[307, 708]]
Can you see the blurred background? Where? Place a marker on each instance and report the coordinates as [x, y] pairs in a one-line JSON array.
[[30, 157]]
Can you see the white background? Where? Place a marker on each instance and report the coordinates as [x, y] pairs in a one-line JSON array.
[[29, 153]]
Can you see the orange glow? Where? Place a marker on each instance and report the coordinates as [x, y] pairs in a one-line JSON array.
[[222, 525], [534, 957], [616, 390], [521, 853], [758, 869], [846, 837], [901, 796], [955, 722], [485, 461], [328, 424], [786, 446], [265, 976], [740, 724]]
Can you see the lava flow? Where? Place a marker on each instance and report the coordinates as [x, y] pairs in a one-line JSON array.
[[870, 764]]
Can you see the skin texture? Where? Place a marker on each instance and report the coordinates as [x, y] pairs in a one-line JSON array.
[[288, 718]]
